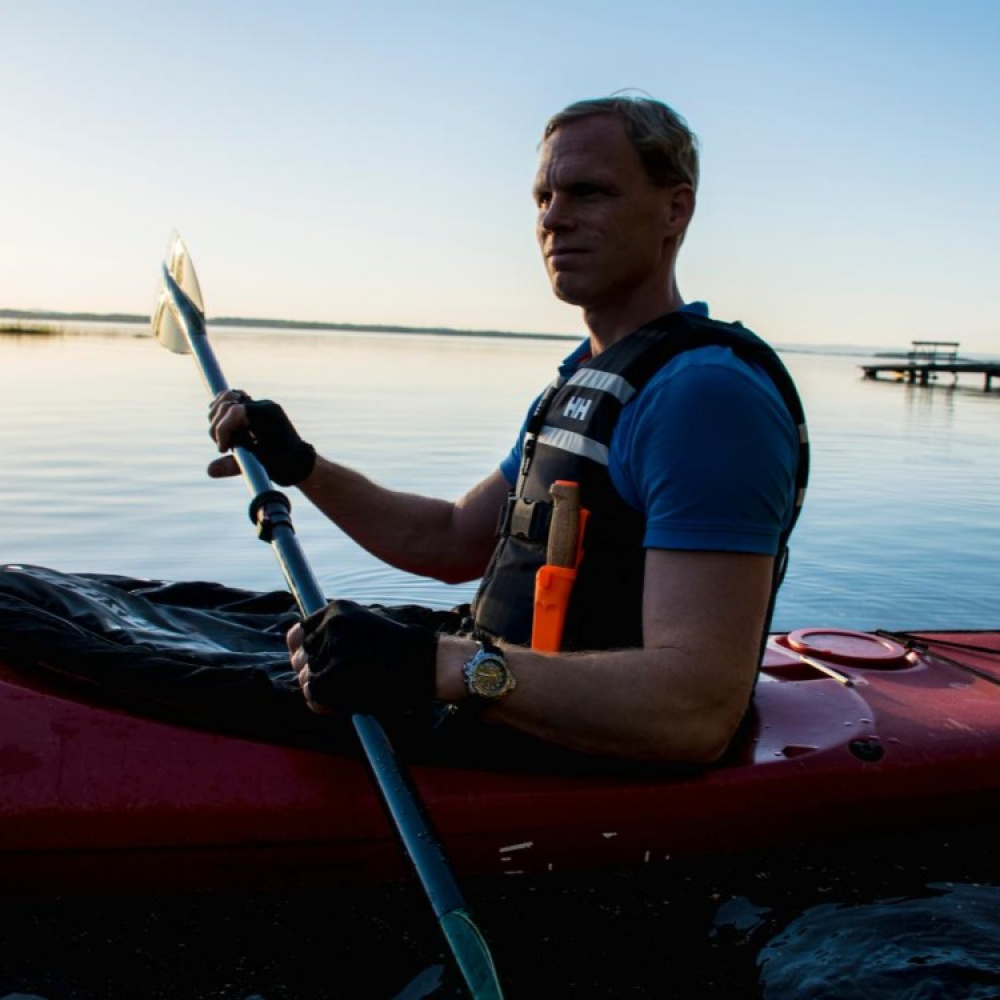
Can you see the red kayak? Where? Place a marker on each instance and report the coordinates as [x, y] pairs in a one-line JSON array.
[[855, 733]]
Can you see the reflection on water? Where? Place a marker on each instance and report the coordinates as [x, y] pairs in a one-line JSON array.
[[719, 930]]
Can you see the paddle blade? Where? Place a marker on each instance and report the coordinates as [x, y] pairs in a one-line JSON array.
[[182, 271], [472, 955], [167, 328], [180, 308]]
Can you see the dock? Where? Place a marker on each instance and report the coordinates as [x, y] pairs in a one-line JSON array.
[[927, 358]]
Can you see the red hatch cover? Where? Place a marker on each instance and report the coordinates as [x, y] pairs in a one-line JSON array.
[[856, 649]]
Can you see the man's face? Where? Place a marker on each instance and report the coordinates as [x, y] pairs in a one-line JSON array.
[[602, 224]]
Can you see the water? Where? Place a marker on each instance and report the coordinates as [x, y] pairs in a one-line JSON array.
[[103, 443], [941, 945]]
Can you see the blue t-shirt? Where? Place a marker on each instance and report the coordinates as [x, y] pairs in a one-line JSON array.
[[707, 452]]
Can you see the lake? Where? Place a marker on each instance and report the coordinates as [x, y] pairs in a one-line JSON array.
[[103, 444]]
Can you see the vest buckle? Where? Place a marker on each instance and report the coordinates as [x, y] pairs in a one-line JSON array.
[[524, 519]]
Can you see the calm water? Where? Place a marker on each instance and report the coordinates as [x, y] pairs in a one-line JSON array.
[[103, 443]]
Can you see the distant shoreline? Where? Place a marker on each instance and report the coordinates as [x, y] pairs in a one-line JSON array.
[[25, 322], [34, 319]]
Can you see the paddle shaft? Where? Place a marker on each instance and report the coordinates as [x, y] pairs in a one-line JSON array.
[[397, 791]]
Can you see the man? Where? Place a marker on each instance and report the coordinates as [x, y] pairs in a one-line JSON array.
[[687, 462]]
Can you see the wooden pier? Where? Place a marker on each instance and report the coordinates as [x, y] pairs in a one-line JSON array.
[[926, 358]]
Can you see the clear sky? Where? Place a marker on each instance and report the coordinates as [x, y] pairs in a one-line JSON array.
[[371, 162]]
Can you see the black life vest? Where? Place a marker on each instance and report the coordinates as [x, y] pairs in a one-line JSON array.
[[569, 437]]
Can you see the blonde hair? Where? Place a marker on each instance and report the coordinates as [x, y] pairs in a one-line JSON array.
[[666, 145]]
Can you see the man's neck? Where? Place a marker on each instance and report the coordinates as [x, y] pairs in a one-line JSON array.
[[608, 326]]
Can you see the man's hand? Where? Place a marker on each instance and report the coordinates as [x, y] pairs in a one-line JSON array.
[[349, 658], [263, 429]]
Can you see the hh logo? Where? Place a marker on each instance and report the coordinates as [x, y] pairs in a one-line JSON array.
[[576, 408]]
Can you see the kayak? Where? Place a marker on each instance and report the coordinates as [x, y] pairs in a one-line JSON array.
[[853, 732]]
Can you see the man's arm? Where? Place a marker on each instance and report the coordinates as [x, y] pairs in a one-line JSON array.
[[679, 698], [451, 541]]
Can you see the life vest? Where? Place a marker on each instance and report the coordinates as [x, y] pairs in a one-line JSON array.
[[568, 437]]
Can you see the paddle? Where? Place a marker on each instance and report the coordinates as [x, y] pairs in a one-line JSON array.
[[179, 325]]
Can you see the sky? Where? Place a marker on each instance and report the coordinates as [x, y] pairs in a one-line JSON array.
[[371, 162]]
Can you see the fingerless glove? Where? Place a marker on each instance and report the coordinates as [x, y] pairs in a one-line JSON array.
[[361, 660], [275, 442]]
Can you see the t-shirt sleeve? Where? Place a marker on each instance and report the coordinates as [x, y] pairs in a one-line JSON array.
[[510, 465], [708, 452]]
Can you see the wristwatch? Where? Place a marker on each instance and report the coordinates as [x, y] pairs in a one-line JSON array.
[[487, 676]]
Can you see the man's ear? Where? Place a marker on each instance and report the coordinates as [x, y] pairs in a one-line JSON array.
[[678, 209]]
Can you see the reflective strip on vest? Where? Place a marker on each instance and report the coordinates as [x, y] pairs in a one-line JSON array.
[[613, 385], [575, 444]]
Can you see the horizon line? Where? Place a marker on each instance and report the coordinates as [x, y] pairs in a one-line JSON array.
[[238, 321], [443, 331]]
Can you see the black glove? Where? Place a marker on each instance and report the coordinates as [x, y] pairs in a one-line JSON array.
[[363, 661], [272, 438]]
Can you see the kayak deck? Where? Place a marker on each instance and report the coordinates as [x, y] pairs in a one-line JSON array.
[[856, 733]]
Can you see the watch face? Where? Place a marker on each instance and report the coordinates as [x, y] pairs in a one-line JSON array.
[[490, 677]]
